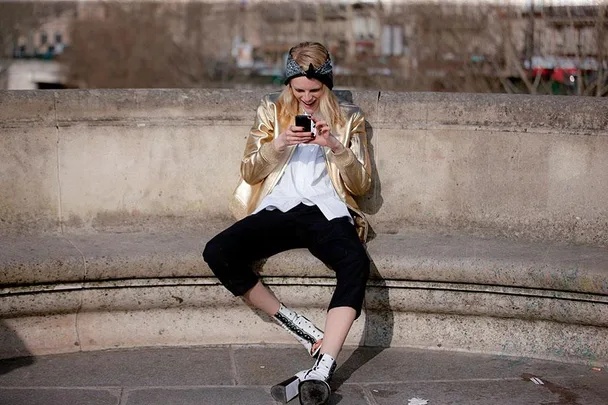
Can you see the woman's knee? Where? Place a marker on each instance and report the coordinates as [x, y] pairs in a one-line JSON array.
[[215, 254], [235, 275]]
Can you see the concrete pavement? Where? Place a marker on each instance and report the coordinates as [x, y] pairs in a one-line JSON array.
[[234, 375]]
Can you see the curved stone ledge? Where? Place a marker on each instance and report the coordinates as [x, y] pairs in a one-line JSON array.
[[403, 296], [142, 312], [417, 255], [224, 324]]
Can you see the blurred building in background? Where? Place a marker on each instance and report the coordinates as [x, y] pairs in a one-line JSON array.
[[569, 47], [484, 46], [32, 36]]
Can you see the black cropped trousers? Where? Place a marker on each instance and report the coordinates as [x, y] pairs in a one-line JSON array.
[[232, 254]]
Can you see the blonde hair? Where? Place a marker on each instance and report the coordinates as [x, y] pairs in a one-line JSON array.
[[288, 106]]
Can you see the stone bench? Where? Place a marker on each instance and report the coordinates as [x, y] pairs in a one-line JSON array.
[[429, 290], [488, 212]]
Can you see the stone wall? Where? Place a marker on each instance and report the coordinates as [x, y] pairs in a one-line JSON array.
[[518, 166]]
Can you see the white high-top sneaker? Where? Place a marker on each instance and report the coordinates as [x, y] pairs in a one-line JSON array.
[[314, 384], [301, 328]]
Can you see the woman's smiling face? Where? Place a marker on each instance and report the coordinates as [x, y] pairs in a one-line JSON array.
[[308, 92]]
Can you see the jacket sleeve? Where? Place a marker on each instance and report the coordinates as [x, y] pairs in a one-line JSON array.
[[353, 162], [260, 156]]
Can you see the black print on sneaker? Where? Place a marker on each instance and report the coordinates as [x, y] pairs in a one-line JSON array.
[[296, 329]]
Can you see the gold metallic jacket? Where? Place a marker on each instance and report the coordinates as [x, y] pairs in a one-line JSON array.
[[262, 166]]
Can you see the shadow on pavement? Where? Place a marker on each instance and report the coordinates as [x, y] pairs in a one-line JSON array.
[[13, 352]]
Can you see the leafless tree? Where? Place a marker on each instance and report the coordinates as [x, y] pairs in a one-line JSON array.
[[601, 83], [488, 48], [148, 44], [598, 84], [16, 19], [450, 47]]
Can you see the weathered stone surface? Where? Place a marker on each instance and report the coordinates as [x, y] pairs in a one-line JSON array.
[[501, 336], [414, 255], [29, 196], [59, 396], [27, 108], [244, 375], [493, 111], [165, 106], [196, 396], [38, 335], [35, 259]]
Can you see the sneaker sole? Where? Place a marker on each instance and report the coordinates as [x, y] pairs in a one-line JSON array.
[[314, 392]]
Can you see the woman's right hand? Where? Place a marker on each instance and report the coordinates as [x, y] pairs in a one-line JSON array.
[[292, 136]]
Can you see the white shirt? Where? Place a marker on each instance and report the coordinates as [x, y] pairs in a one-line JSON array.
[[305, 180]]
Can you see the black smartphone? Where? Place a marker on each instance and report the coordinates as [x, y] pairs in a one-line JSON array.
[[305, 122]]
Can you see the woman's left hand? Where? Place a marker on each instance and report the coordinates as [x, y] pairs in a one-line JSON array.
[[324, 136]]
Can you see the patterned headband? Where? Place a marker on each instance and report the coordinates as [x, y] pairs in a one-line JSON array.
[[323, 73]]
